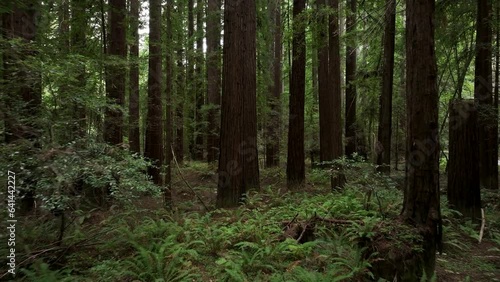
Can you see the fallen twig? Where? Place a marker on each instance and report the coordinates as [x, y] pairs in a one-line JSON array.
[[182, 176]]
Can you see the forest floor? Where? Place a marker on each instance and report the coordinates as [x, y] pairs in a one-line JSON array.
[[143, 242]]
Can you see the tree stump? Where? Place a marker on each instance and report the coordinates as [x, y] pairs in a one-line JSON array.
[[463, 167], [337, 178]]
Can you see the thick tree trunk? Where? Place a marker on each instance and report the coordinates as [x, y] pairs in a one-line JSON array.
[[295, 170], [463, 188], [169, 88], [238, 161], [421, 205], [115, 84], [134, 134], [350, 95], [335, 78], [325, 92], [274, 97], [483, 94], [213, 78], [154, 129], [383, 147], [199, 99], [22, 83]]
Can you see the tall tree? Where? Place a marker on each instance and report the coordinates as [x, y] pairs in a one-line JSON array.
[[238, 160], [22, 82], [274, 97], [169, 66], [421, 206], [79, 19], [213, 77], [483, 94], [350, 69], [335, 77], [115, 84], [154, 128], [383, 149], [295, 170], [134, 134], [199, 97], [180, 86], [325, 91]]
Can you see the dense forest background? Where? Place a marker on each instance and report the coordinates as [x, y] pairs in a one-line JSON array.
[[236, 140]]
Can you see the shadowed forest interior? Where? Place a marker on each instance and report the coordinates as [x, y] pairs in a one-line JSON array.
[[249, 140]]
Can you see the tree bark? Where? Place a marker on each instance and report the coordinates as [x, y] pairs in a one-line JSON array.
[[213, 78], [199, 99], [383, 147], [350, 96], [238, 160], [274, 97], [335, 78], [483, 95], [295, 170], [154, 127], [421, 206], [463, 191], [134, 135], [22, 84], [325, 92], [115, 84], [169, 66]]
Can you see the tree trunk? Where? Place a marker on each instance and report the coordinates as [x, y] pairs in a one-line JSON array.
[[295, 169], [383, 147], [169, 66], [350, 95], [115, 83], [238, 160], [335, 79], [274, 97], [191, 82], [179, 107], [154, 128], [199, 99], [497, 60], [483, 94], [134, 134], [79, 19], [213, 78], [421, 206], [325, 93], [463, 188]]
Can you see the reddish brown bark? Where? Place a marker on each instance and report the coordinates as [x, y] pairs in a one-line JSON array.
[[238, 161], [274, 98], [335, 82], [154, 128], [134, 133], [115, 84], [383, 148], [350, 95], [295, 169], [213, 78], [199, 93]]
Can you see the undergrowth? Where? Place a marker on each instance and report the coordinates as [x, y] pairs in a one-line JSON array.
[[243, 244]]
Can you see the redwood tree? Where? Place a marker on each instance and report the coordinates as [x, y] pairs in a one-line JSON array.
[[421, 206], [483, 94], [134, 129], [213, 77], [154, 129], [295, 170], [350, 69], [383, 148], [169, 66], [274, 98], [115, 73], [238, 161], [334, 74], [325, 90], [199, 97]]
